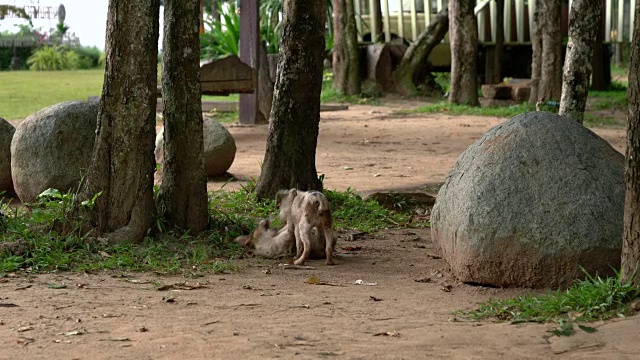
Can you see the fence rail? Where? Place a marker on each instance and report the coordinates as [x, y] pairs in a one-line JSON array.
[[19, 41], [408, 18]]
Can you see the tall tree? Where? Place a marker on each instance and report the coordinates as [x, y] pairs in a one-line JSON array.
[[346, 54], [290, 158], [583, 25], [463, 35], [547, 52], [631, 240], [123, 163], [182, 198]]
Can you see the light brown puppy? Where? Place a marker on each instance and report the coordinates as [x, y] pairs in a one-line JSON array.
[[267, 242], [308, 217]]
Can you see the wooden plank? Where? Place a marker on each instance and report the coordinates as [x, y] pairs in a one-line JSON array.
[[439, 5], [493, 10], [385, 17], [226, 69], [620, 24], [520, 20], [482, 34], [427, 13], [532, 10], [507, 21], [358, 15], [414, 21], [249, 47], [373, 20], [607, 20], [401, 20]]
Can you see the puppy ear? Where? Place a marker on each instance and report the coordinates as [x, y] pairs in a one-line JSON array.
[[264, 224], [293, 192], [281, 195]]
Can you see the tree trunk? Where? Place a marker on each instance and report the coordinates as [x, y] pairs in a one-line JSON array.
[[600, 62], [182, 199], [265, 87], [631, 239], [346, 54], [463, 34], [495, 54], [123, 162], [415, 58], [536, 52], [583, 25], [290, 157], [550, 86]]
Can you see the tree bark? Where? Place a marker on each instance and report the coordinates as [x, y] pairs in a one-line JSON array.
[[417, 54], [295, 117], [583, 25], [536, 52], [600, 62], [346, 54], [463, 35], [550, 86], [631, 240], [265, 87], [123, 162], [182, 198]]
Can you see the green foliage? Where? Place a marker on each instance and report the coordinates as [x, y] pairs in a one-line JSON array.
[[222, 39], [90, 57], [587, 300], [369, 95], [44, 237], [51, 58], [350, 211]]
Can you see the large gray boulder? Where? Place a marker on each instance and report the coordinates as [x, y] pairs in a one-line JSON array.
[[219, 148], [52, 148], [530, 202], [6, 134]]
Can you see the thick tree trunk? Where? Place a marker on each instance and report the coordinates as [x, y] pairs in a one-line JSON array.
[[346, 54], [290, 158], [415, 58], [182, 199], [550, 86], [463, 35], [600, 62], [536, 52], [631, 240], [495, 54], [583, 25], [123, 162]]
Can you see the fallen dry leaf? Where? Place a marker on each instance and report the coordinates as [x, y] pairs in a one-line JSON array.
[[24, 328], [24, 287], [313, 280], [352, 248], [296, 267], [446, 288], [388, 333], [24, 341], [74, 332], [423, 280], [9, 305], [181, 286], [375, 298]]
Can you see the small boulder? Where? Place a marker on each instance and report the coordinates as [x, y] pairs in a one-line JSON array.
[[219, 148], [52, 148], [531, 202], [6, 134]]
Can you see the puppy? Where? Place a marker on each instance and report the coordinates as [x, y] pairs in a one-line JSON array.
[[308, 217], [267, 242]]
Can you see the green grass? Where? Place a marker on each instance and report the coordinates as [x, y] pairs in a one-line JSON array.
[[42, 237], [453, 109], [25, 92], [614, 98], [587, 300]]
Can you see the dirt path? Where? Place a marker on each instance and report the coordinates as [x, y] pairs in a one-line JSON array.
[[264, 311]]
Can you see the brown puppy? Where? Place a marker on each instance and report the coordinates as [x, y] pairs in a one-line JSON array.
[[308, 217], [267, 242]]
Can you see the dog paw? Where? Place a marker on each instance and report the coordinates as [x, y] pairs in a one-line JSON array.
[[330, 262], [299, 262]]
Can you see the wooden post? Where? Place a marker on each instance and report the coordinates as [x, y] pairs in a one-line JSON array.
[[201, 16], [249, 51]]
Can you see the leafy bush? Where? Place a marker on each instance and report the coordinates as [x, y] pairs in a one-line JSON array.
[[224, 36], [49, 58], [89, 56]]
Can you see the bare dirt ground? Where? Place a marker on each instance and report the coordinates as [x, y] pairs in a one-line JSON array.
[[264, 311]]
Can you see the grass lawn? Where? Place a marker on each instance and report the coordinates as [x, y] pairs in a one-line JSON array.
[[24, 92]]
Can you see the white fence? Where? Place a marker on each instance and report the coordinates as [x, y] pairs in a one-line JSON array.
[[408, 18]]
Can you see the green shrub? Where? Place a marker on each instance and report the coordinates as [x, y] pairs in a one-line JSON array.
[[224, 36], [89, 56], [49, 58]]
